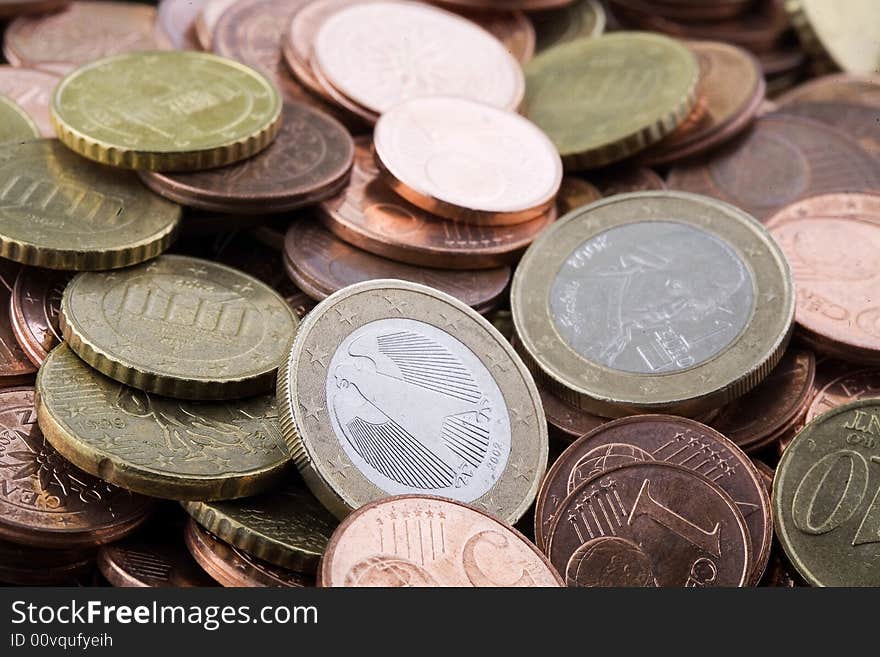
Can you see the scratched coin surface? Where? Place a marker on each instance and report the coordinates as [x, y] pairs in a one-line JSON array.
[[15, 366], [601, 100], [15, 123], [287, 527], [466, 161], [81, 33], [47, 502], [360, 52], [321, 264], [649, 524], [177, 19], [581, 18], [309, 161], [848, 387], [395, 388], [34, 309], [31, 90], [848, 40], [166, 111], [370, 216], [421, 541], [652, 302], [782, 159], [667, 439], [825, 497], [158, 446], [153, 562], [230, 566], [61, 212], [833, 245], [839, 88], [179, 326]]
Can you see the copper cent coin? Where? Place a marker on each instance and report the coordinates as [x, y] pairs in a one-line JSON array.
[[15, 366], [832, 243], [512, 28], [308, 161], [623, 179], [667, 439], [29, 566], [177, 20], [372, 217], [649, 525], [838, 88], [849, 387], [321, 264], [151, 561], [81, 33], [566, 421], [467, 161], [861, 122], [45, 501], [421, 541], [206, 21], [781, 160], [12, 8], [31, 89], [34, 308]]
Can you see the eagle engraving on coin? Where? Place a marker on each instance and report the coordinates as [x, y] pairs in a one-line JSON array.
[[416, 411]]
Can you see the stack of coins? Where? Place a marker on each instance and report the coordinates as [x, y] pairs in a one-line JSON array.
[[453, 293]]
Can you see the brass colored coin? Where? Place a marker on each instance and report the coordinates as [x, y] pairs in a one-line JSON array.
[[179, 326], [166, 111], [393, 388], [825, 497], [60, 212], [615, 326], [844, 37], [286, 527], [581, 18], [158, 446], [601, 100], [15, 124]]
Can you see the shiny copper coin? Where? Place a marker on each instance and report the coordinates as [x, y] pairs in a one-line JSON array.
[[565, 421], [372, 217], [307, 162], [832, 243], [574, 193], [626, 178], [767, 473], [838, 88], [861, 122], [230, 566], [773, 404], [177, 20], [428, 541], [511, 28], [731, 87], [29, 566], [151, 561], [15, 366], [667, 439], [650, 525], [32, 91], [321, 264], [782, 159], [81, 33], [13, 8], [47, 502], [850, 387], [34, 307], [206, 22]]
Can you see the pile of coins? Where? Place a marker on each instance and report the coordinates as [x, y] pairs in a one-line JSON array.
[[459, 293]]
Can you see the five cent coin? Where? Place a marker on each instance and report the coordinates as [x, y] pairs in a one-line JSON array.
[[34, 309], [15, 366], [32, 91], [15, 123]]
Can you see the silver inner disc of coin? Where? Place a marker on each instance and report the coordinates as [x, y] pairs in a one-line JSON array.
[[417, 412], [652, 297]]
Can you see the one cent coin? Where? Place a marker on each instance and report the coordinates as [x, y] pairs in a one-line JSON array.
[[16, 368], [155, 445], [650, 525], [321, 264], [166, 111], [47, 502], [427, 541], [466, 161], [512, 28], [153, 562], [807, 158], [849, 387], [32, 91], [626, 178], [839, 88], [287, 527], [368, 215], [15, 123], [394, 388], [667, 439], [177, 20], [601, 100], [360, 52], [34, 308], [61, 212], [590, 297], [833, 245], [861, 122], [81, 33], [581, 18], [29, 566], [180, 327], [825, 497], [575, 193], [232, 567], [309, 161]]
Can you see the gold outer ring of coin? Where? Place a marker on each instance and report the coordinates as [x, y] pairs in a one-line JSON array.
[[323, 475], [129, 157], [607, 392]]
